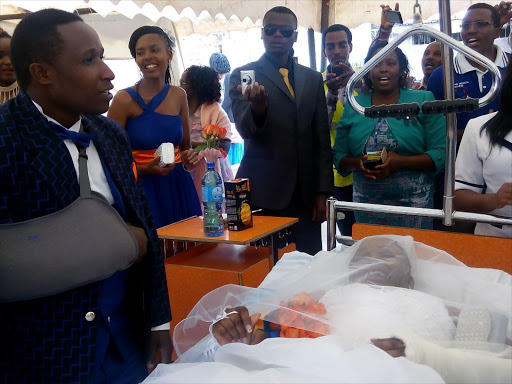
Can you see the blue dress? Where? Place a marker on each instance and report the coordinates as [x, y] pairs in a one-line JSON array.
[[172, 197]]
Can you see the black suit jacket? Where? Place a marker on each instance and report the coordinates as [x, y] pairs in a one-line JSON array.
[[292, 147]]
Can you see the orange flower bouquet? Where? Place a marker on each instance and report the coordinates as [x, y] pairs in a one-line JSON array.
[[213, 134], [297, 322]]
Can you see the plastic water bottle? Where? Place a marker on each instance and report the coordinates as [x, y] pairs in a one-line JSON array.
[[211, 191]]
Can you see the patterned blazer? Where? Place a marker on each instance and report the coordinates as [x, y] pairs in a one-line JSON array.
[[49, 339]]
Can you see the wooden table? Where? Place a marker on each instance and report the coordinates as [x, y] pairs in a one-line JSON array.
[[264, 228]]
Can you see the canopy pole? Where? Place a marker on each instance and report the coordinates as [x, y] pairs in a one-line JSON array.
[[451, 119], [324, 24], [312, 51]]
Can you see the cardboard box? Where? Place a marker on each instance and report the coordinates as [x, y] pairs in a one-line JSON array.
[[238, 204]]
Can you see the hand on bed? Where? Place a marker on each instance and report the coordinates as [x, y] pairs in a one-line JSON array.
[[236, 327], [160, 349], [393, 346]]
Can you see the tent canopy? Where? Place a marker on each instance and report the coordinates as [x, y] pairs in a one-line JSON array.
[[210, 16]]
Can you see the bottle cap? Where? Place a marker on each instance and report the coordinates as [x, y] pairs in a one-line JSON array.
[[210, 164]]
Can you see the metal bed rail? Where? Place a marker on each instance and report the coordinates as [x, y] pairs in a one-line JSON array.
[[334, 205]]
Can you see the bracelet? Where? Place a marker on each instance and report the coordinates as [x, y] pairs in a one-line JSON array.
[[223, 315], [185, 168]]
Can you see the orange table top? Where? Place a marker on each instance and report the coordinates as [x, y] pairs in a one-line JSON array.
[[192, 230]]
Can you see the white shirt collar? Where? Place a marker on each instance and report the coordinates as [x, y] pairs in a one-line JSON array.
[[75, 127], [462, 65]]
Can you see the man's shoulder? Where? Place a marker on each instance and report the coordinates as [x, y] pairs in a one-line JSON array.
[[101, 121], [251, 65], [8, 116], [105, 126], [309, 72], [438, 73]]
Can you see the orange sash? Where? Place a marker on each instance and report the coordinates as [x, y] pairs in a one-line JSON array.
[[144, 156]]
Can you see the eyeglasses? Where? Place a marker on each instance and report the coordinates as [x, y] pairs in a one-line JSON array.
[[271, 29], [477, 24]]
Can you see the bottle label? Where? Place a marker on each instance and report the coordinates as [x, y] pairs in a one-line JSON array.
[[211, 194]]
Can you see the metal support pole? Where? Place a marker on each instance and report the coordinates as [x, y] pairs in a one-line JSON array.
[[324, 24], [331, 224], [451, 118], [312, 50]]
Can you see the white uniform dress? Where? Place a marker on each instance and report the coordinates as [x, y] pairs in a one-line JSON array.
[[482, 170]]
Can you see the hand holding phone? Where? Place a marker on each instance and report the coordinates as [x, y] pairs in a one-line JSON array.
[[247, 78], [338, 76], [375, 158], [256, 94], [394, 17], [336, 69]]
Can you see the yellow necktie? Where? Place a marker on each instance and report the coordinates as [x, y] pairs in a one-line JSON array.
[[284, 73]]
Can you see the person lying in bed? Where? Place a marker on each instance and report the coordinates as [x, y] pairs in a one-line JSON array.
[[379, 305], [369, 308]]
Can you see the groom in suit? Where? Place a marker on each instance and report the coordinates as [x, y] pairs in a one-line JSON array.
[[110, 331], [283, 119]]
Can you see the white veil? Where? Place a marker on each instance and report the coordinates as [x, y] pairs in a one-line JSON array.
[[383, 286]]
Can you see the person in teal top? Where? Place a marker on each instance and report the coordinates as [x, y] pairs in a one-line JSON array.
[[415, 146]]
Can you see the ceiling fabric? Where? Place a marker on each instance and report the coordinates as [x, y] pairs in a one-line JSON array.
[[191, 16], [368, 11], [214, 16]]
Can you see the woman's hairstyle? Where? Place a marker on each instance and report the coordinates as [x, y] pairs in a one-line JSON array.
[[36, 39], [500, 125], [403, 64], [149, 29], [4, 34], [204, 81], [220, 63]]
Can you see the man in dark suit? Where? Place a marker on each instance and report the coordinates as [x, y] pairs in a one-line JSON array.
[[104, 331], [283, 119]]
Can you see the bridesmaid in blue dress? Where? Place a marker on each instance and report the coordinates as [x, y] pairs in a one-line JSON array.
[[154, 112]]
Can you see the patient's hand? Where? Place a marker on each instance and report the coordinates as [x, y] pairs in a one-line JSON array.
[[393, 346], [237, 327]]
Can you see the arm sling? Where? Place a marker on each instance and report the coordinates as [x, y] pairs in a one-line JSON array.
[[85, 242]]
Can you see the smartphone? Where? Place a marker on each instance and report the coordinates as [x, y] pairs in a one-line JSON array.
[[371, 164], [247, 78], [375, 158], [394, 17], [334, 69]]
